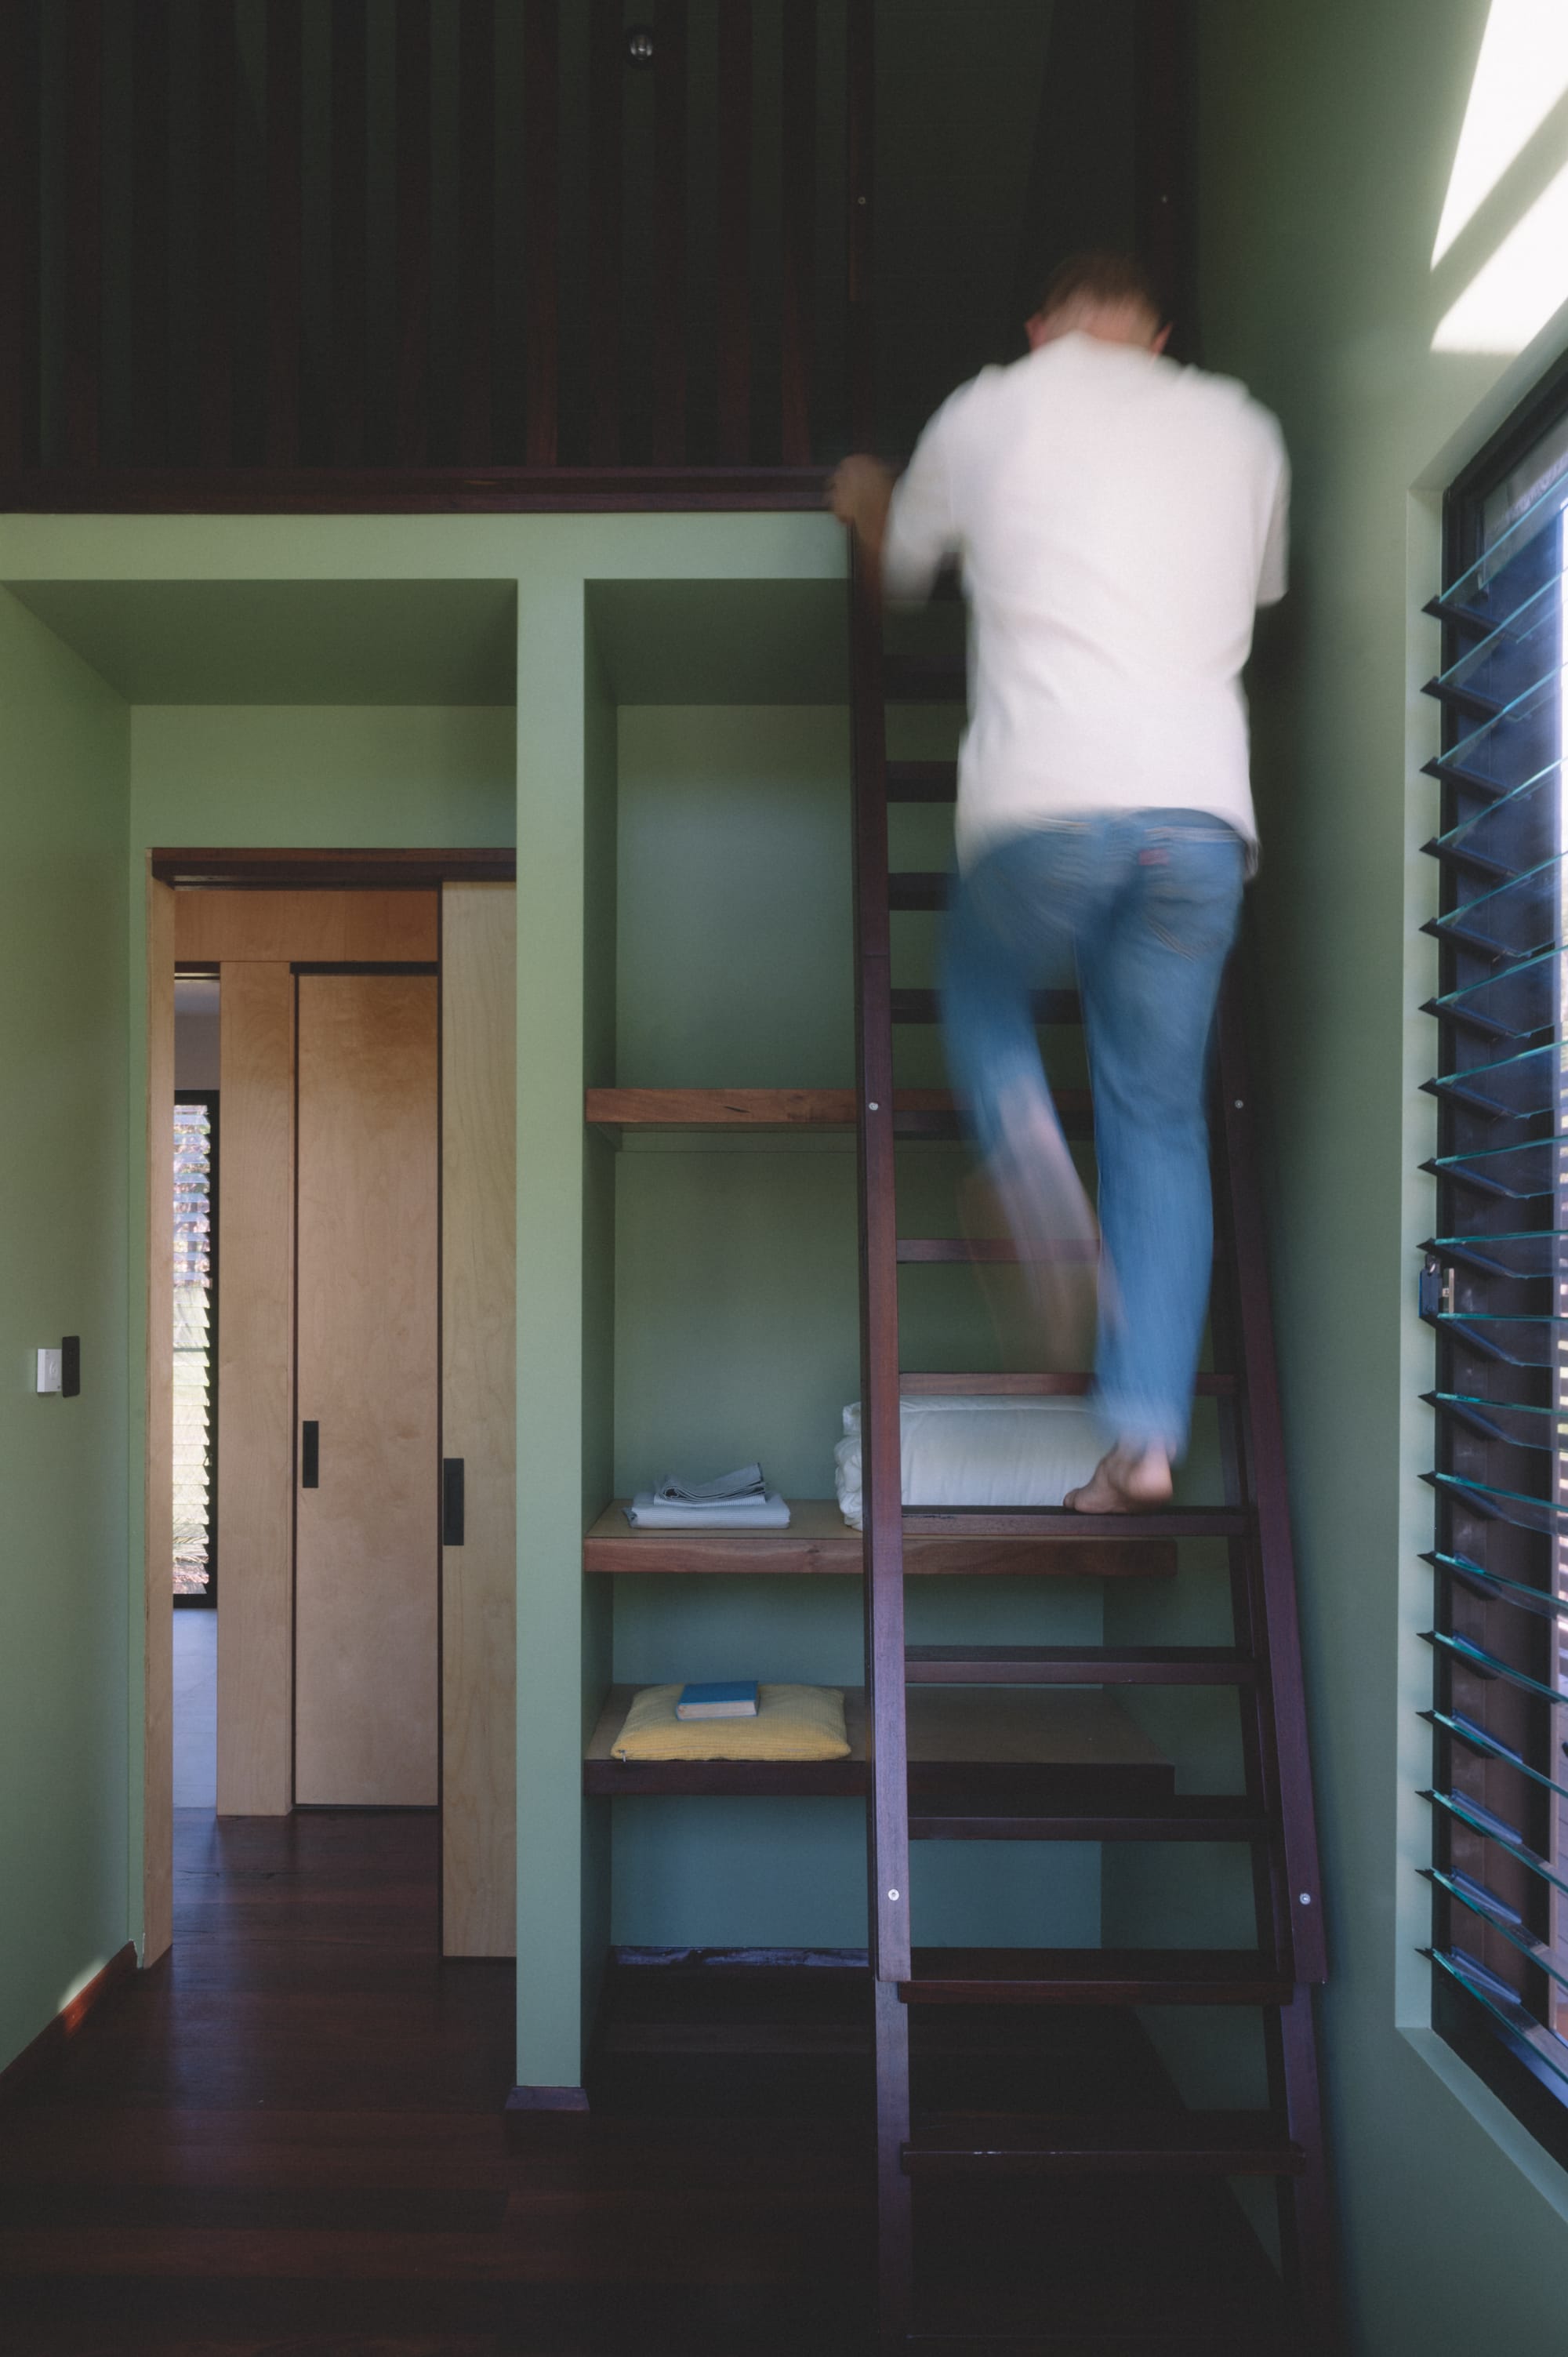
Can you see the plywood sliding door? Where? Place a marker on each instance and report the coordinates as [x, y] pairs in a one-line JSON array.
[[367, 1527], [479, 965], [255, 1392]]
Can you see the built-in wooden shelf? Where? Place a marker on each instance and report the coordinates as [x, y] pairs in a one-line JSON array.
[[916, 1113], [745, 1108], [968, 1747], [819, 1540]]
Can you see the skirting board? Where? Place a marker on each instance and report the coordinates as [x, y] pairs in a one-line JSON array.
[[52, 2039], [525, 2100]]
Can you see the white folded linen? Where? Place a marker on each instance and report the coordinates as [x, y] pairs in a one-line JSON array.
[[651, 1512], [979, 1450]]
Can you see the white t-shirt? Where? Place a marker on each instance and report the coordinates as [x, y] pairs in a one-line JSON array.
[[1119, 519]]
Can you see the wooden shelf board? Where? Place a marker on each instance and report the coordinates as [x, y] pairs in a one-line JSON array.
[[820, 1541], [744, 1108], [1015, 1746]]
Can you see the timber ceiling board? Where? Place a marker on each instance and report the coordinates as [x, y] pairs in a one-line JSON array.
[[365, 643]]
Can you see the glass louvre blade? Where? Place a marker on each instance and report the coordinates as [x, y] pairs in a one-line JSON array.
[[1506, 1592], [1527, 642], [1502, 1917], [1465, 1730], [1518, 1001], [1509, 1420], [1517, 1086], [1487, 1666], [1516, 1342], [1490, 1910], [1523, 1253], [1516, 831], [1545, 2047], [1497, 584], [1493, 1829], [1519, 1173], [1515, 920], [1514, 744]]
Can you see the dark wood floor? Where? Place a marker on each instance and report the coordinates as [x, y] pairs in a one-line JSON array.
[[288, 2139]]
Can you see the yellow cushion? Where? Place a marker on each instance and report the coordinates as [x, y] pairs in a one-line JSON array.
[[791, 1723]]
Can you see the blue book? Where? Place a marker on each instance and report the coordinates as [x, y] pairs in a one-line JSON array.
[[731, 1699]]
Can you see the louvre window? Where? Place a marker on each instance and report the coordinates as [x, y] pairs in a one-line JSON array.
[[1495, 1278], [195, 1404]]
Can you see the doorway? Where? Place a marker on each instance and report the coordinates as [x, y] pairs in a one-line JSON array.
[[325, 1394]]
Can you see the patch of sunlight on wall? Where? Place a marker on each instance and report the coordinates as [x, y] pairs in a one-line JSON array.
[[1514, 294], [1520, 74]]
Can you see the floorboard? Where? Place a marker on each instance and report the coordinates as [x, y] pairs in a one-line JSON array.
[[288, 2140]]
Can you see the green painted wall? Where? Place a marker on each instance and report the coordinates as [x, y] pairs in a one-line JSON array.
[[309, 775], [1327, 135], [65, 1628], [736, 1316]]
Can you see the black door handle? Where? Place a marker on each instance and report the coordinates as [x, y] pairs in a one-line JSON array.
[[310, 1455], [451, 1501]]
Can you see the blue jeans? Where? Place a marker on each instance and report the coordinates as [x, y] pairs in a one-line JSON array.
[[1145, 904]]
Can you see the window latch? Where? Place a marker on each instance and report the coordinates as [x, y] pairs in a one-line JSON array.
[[1436, 1288]]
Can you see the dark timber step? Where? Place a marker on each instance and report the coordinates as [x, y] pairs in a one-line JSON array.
[[924, 679], [1173, 2143], [918, 888], [1078, 2341], [1096, 1976], [1060, 1521], [922, 782], [939, 1383], [1001, 1249], [1074, 1110], [1181, 1816], [1062, 1665], [926, 1006]]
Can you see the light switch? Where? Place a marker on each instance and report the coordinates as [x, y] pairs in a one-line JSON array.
[[49, 1371]]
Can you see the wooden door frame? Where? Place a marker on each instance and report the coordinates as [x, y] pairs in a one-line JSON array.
[[166, 870]]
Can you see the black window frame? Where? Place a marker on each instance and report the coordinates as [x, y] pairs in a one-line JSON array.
[[1500, 2055]]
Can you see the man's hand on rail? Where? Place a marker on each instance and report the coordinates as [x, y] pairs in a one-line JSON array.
[[860, 490]]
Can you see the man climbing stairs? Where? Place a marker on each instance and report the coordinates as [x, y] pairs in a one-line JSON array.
[[1025, 2116]]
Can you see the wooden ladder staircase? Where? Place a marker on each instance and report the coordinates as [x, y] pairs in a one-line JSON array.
[[1014, 2177]]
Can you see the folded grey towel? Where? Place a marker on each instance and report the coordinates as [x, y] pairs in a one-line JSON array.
[[726, 1489], [767, 1512]]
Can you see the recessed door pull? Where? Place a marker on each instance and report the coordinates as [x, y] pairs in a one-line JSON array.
[[451, 1501], [310, 1455]]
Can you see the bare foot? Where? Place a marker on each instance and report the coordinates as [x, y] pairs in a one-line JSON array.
[[1126, 1481]]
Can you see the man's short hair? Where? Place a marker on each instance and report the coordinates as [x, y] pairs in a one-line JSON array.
[[1099, 278]]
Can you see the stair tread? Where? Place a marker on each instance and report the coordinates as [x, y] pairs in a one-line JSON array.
[[1226, 2143], [1096, 1976], [921, 781], [1046, 1521], [912, 1006], [1177, 1816], [1004, 1384], [1115, 1664], [922, 679]]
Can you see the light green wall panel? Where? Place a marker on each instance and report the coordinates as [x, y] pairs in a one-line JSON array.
[[66, 1632], [309, 776], [1327, 135], [737, 959]]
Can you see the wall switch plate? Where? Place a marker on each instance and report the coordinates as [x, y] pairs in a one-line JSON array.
[[49, 1371]]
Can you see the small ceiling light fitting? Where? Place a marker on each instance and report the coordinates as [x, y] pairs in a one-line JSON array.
[[640, 45]]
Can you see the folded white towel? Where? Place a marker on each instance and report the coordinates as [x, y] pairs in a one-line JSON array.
[[650, 1511]]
